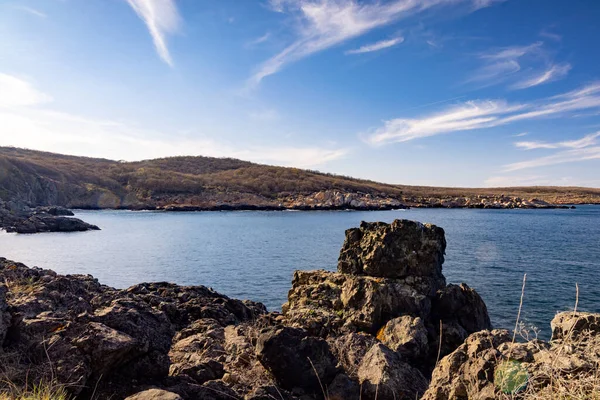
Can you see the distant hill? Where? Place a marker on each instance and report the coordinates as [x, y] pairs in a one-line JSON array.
[[40, 178]]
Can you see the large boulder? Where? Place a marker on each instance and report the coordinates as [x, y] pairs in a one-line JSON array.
[[297, 360], [406, 335], [398, 250], [384, 375]]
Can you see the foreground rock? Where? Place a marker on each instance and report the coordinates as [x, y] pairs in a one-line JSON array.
[[19, 218], [489, 365]]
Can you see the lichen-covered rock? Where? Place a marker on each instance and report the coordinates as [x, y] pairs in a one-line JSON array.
[[384, 375], [321, 302], [398, 250]]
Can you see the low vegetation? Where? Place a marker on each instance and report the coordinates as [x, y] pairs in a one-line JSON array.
[[42, 178]]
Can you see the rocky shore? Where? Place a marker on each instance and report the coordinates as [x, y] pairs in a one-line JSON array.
[[385, 326], [338, 200], [19, 218]]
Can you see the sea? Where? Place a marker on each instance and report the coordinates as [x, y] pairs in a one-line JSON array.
[[253, 254]]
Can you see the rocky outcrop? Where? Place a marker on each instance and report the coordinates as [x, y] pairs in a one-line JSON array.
[[490, 365], [481, 201], [338, 200], [20, 218], [94, 338], [389, 284]]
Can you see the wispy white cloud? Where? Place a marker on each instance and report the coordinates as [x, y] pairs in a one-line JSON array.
[[562, 157], [259, 40], [162, 18], [551, 35], [383, 44], [520, 134], [586, 141], [327, 23], [480, 114], [467, 116], [28, 122], [553, 73], [512, 52], [30, 10], [18, 92], [526, 66], [502, 63]]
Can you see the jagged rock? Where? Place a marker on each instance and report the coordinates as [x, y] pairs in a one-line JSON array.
[[464, 305], [155, 394], [398, 250], [106, 347], [469, 369], [102, 339], [574, 325], [296, 359], [406, 335], [321, 302], [384, 375]]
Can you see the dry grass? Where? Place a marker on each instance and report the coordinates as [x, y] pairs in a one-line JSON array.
[[568, 370], [39, 391]]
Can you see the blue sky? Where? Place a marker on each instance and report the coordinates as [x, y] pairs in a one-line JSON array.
[[430, 92]]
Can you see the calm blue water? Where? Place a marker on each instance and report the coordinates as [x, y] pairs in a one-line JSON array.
[[253, 254]]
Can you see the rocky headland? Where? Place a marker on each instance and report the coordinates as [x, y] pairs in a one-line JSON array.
[[36, 178], [19, 218], [385, 326]]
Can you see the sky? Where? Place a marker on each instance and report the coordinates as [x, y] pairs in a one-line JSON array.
[[472, 93]]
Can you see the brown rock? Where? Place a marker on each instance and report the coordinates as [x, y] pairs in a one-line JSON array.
[[155, 394], [406, 335], [384, 375]]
